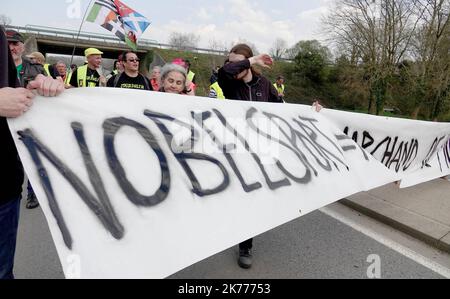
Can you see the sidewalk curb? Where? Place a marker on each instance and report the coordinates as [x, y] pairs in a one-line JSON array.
[[414, 228]]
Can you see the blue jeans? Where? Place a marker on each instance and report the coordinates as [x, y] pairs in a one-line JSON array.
[[9, 222]]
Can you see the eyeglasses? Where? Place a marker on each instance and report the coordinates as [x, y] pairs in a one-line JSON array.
[[133, 60]]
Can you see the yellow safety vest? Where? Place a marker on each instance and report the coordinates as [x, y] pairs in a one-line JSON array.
[[82, 76], [279, 89], [216, 87], [68, 78], [47, 69], [191, 76]]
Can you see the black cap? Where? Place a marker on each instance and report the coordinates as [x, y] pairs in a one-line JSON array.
[[14, 36]]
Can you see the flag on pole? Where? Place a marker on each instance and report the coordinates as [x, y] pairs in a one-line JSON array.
[[134, 23], [127, 24]]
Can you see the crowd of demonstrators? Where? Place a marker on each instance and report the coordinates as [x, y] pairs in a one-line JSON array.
[[239, 80], [89, 75], [130, 78], [15, 100]]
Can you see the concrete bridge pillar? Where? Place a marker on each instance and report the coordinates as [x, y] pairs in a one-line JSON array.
[[31, 45]]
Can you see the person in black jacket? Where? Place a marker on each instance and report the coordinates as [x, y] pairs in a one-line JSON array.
[[239, 80], [27, 70], [14, 101]]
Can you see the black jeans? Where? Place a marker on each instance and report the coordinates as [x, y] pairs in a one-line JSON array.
[[247, 245]]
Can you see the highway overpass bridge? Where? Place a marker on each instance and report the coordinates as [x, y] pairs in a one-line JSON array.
[[58, 41]]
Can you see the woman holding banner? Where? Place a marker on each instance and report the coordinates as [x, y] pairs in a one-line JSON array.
[[239, 80]]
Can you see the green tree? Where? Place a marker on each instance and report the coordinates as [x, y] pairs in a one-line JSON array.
[[311, 60]]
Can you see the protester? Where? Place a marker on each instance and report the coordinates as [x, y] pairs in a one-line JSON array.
[[317, 106], [174, 80], [39, 58], [89, 75], [118, 66], [14, 102], [26, 72], [25, 68], [280, 87], [155, 79], [130, 78], [215, 91], [191, 75], [64, 73], [240, 81], [189, 84]]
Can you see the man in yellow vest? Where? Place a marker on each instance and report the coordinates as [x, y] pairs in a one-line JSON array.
[[280, 87], [63, 72], [191, 75], [50, 70], [89, 75], [215, 91]]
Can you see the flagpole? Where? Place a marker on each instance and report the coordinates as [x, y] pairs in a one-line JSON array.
[[79, 32]]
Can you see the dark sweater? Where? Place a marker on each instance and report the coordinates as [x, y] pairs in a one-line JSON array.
[[258, 90], [11, 171]]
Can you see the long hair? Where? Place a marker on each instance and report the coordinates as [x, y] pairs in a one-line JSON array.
[[247, 52]]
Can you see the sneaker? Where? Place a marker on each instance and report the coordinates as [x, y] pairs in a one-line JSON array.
[[32, 202], [245, 258]]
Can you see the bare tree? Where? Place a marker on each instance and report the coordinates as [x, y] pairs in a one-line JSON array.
[[5, 20], [431, 48], [218, 45], [378, 33], [184, 41], [279, 49]]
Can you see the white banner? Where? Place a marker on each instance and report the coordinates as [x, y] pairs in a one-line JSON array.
[[417, 150], [138, 184]]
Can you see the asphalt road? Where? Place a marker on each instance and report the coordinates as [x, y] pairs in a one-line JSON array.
[[314, 246]]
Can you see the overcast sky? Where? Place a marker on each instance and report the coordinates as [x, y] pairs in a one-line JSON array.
[[258, 21]]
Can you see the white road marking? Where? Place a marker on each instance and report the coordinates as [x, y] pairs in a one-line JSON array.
[[426, 262]]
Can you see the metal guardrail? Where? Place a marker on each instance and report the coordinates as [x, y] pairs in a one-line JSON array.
[[42, 31]]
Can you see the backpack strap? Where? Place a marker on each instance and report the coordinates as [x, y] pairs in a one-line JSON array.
[[146, 83], [116, 79]]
